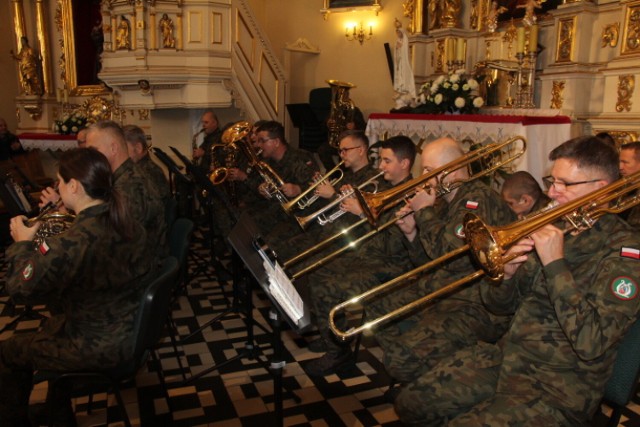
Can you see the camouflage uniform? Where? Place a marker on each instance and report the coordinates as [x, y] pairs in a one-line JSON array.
[[633, 216], [378, 259], [561, 346], [156, 176], [145, 205], [414, 345], [316, 233], [295, 167], [96, 277]]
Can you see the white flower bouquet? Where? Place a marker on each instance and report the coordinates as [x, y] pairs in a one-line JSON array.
[[453, 93], [70, 124]]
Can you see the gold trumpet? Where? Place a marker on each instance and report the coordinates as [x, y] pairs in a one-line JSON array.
[[304, 199], [488, 245], [490, 156], [321, 215]]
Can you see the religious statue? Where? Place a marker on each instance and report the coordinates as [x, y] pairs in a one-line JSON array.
[[433, 14], [29, 66], [166, 28], [123, 37], [450, 12], [404, 84], [492, 16], [530, 11]]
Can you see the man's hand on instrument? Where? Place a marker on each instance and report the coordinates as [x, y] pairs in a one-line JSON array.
[[20, 232], [198, 152], [236, 174], [549, 243], [325, 190], [290, 190], [263, 189], [350, 204], [422, 199], [522, 247], [407, 224]]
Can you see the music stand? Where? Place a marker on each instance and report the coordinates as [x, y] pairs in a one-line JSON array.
[[181, 185], [246, 241]]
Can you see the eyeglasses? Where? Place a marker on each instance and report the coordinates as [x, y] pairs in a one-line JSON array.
[[550, 181], [344, 150], [264, 140]]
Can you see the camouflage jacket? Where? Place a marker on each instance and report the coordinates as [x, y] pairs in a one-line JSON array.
[[156, 177], [295, 167], [569, 318], [145, 205], [93, 275]]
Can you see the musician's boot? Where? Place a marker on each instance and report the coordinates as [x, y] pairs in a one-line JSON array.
[[338, 355]]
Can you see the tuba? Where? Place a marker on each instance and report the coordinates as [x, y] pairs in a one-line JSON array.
[[342, 110]]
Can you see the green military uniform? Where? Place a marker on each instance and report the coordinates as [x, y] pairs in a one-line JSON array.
[[633, 216], [156, 176], [96, 277], [569, 319], [145, 205], [378, 259], [316, 233], [416, 344], [295, 167]]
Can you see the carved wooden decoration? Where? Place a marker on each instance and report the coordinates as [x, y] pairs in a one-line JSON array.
[[557, 94], [610, 35], [626, 85], [631, 40], [566, 36]]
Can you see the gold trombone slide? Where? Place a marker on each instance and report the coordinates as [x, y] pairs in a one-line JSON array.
[[387, 199], [488, 245]]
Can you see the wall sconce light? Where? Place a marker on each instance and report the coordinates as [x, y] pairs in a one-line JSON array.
[[353, 33]]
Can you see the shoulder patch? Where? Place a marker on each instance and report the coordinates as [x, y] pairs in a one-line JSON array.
[[459, 231], [624, 288], [27, 272], [471, 205], [630, 253]]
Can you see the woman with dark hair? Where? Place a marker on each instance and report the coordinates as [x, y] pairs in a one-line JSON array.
[[93, 273]]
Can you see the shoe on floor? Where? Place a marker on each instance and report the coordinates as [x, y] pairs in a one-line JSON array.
[[329, 363], [317, 346]]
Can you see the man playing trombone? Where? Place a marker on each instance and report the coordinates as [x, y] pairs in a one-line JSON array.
[[573, 298]]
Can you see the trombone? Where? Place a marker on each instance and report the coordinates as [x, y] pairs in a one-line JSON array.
[[305, 199], [490, 156], [488, 245], [493, 158], [324, 219]]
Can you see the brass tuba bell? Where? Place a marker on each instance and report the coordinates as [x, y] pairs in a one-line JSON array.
[[342, 110]]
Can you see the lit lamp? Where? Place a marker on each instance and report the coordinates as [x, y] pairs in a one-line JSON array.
[[353, 33]]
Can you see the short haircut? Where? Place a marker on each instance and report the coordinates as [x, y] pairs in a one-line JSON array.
[[135, 135], [215, 116], [358, 135], [520, 183], [259, 123], [402, 146], [274, 129], [635, 146], [591, 153], [113, 129], [606, 137]]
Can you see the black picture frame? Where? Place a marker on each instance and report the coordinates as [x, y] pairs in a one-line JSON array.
[[334, 4]]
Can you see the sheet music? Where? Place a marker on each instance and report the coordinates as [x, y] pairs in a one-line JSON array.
[[283, 291]]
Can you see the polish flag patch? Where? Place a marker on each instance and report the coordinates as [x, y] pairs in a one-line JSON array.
[[43, 248], [630, 253], [471, 204]]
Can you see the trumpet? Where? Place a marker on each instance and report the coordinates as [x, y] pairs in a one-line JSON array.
[[387, 199], [324, 219], [307, 197], [490, 156], [488, 245]]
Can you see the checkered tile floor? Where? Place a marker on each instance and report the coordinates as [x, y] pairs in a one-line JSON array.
[[241, 393]]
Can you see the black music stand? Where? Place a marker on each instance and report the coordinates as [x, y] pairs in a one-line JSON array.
[[181, 185], [246, 241]]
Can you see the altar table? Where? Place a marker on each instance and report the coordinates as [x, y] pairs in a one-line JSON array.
[[47, 141], [543, 133]]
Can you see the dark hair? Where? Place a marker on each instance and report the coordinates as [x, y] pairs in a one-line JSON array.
[[635, 146], [402, 146], [259, 123], [590, 152], [519, 183], [606, 137], [91, 168], [135, 135], [358, 135], [274, 129]]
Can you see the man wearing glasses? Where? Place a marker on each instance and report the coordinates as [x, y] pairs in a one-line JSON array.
[[573, 297]]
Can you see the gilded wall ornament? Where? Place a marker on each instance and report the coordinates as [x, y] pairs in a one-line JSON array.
[[610, 34], [557, 94], [123, 34], [622, 136], [440, 56], [632, 30], [143, 114], [566, 35], [451, 13], [433, 14], [491, 21], [626, 84], [530, 7]]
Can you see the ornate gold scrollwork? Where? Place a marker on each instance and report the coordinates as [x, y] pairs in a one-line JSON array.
[[626, 84], [566, 35], [556, 94], [620, 136], [632, 30], [440, 55], [610, 34]]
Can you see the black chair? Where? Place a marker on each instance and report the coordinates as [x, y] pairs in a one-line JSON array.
[[149, 329], [623, 382]]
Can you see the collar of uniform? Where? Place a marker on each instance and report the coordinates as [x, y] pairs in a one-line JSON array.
[[124, 167], [93, 211]]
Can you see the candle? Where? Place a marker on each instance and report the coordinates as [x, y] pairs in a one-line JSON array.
[[520, 40], [451, 49], [533, 39], [66, 96], [460, 50], [58, 95]]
